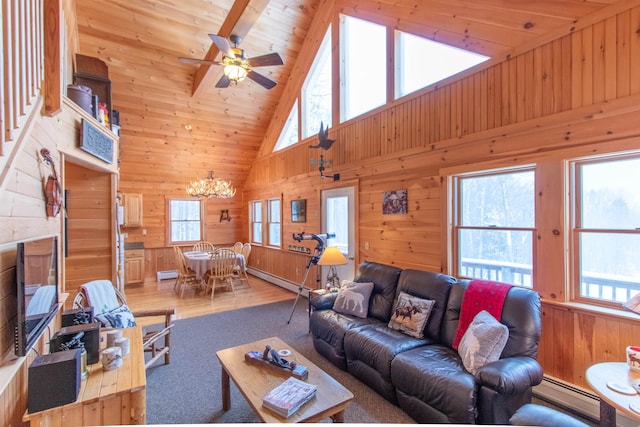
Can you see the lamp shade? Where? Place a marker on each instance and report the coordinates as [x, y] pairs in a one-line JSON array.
[[332, 256]]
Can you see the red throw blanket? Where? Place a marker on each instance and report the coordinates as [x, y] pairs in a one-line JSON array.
[[480, 295]]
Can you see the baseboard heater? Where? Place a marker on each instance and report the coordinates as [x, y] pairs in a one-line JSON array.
[[167, 274], [575, 399]]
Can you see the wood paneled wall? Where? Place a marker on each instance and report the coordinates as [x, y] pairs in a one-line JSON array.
[[577, 95]]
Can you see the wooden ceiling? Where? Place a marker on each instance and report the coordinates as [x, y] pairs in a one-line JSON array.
[[173, 118]]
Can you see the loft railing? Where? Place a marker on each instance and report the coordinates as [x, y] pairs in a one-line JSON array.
[[599, 286], [23, 63]]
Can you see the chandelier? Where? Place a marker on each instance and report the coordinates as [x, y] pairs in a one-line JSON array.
[[211, 187]]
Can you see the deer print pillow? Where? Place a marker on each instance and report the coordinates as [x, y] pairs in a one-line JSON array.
[[353, 298], [410, 314]]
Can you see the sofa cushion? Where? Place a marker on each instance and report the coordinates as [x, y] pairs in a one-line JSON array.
[[385, 280], [432, 286], [410, 314], [433, 374], [328, 329], [483, 342], [353, 298]]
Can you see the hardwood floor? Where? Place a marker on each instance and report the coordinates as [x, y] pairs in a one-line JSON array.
[[161, 294]]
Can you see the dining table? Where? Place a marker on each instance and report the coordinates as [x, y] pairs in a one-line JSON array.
[[199, 262]]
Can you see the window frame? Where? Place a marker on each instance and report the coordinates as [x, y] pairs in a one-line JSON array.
[[256, 206], [307, 128], [346, 112], [454, 214], [576, 230], [169, 225], [271, 222]]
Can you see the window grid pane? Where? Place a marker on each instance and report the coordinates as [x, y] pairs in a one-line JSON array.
[[256, 222], [495, 225], [607, 217], [316, 91], [185, 220], [274, 222], [365, 71]]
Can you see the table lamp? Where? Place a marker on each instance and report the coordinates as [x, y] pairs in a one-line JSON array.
[[332, 257]]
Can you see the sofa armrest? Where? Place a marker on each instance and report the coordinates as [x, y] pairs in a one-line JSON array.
[[512, 375], [322, 301]]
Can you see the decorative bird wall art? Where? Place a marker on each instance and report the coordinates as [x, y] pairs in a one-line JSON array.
[[323, 138]]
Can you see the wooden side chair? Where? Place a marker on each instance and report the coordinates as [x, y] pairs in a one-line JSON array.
[[240, 272], [237, 247], [110, 308], [203, 247], [187, 278], [221, 269]]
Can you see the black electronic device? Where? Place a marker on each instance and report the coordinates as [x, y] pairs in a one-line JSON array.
[[90, 340], [36, 290], [78, 316], [54, 380]]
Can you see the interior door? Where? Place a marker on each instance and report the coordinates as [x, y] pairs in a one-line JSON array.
[[338, 217]]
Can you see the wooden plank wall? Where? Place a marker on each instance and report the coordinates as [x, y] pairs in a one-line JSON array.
[[574, 96], [89, 226]]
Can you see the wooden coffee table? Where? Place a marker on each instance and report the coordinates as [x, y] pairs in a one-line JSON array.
[[254, 382]]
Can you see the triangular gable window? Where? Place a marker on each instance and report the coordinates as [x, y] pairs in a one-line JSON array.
[[289, 134], [421, 62]]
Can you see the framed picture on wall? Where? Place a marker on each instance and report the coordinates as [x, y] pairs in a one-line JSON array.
[[299, 210]]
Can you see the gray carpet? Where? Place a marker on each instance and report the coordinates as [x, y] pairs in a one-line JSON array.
[[187, 391]]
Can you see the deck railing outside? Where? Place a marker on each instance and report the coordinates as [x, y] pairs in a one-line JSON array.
[[599, 286]]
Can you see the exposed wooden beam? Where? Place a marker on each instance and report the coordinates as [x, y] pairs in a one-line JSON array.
[[242, 16]]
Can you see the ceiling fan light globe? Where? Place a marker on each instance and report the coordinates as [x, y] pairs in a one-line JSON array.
[[235, 72]]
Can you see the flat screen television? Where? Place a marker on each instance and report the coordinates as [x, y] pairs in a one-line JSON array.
[[37, 290]]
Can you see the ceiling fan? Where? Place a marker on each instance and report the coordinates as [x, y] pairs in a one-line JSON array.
[[236, 64]]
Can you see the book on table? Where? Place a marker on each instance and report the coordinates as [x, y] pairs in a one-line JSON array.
[[289, 396]]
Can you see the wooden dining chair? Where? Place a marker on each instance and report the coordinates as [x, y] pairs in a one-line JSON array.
[[240, 272], [237, 247], [221, 269], [187, 278], [203, 247]]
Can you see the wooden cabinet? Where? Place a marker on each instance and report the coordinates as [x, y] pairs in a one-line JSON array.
[[132, 204], [115, 397], [133, 266]]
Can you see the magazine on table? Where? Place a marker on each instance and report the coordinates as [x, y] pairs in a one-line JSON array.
[[289, 396]]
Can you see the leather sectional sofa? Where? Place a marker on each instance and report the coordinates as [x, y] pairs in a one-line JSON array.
[[426, 376]]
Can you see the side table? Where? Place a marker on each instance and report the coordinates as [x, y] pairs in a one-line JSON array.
[[601, 374]]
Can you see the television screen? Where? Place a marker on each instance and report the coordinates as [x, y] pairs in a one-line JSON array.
[[37, 290]]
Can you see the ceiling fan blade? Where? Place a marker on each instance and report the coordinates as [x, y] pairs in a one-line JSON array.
[[223, 82], [266, 60], [197, 61], [223, 44], [263, 81]]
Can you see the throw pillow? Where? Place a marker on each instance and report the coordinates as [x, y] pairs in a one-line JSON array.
[[483, 342], [353, 298], [120, 317], [410, 314]]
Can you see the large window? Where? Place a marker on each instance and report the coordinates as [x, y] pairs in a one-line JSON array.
[[363, 66], [185, 221], [256, 222], [421, 62], [316, 91], [494, 220], [606, 229], [274, 222]]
